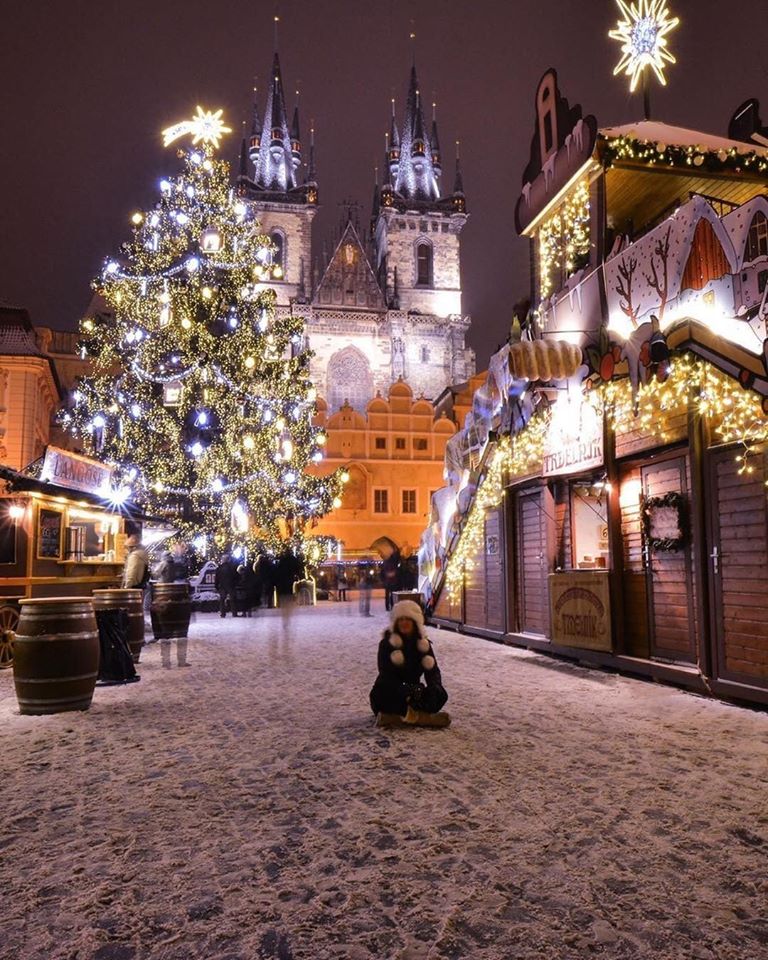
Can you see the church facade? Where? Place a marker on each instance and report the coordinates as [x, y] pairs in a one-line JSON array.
[[387, 304]]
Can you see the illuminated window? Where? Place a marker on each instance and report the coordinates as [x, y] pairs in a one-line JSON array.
[[381, 501], [757, 241], [381, 443], [423, 264], [278, 255], [420, 443], [409, 501], [399, 443]]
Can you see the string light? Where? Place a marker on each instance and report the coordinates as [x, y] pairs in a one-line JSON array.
[[564, 239], [736, 416]]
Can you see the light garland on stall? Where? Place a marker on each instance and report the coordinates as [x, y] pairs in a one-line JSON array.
[[736, 414], [564, 238], [657, 153], [514, 456]]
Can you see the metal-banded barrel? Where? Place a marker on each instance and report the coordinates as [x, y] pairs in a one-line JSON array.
[[56, 655], [132, 601], [171, 610]]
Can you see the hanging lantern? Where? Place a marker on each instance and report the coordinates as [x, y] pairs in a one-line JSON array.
[[172, 393], [285, 444], [239, 517], [166, 315], [210, 240]]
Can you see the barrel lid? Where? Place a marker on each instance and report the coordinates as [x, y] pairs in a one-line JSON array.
[[47, 600], [118, 590]]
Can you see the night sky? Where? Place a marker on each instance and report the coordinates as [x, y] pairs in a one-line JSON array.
[[87, 87]]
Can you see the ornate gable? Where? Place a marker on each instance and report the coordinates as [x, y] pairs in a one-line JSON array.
[[349, 280]]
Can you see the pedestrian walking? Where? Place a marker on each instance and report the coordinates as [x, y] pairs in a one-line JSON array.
[[164, 570], [288, 569], [341, 584], [225, 582], [390, 576], [136, 571], [180, 562], [365, 587], [405, 655]]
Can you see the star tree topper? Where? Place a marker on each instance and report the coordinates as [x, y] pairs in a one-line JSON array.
[[643, 38], [205, 126]]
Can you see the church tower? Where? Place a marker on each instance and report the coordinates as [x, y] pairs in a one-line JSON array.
[[417, 230], [416, 235], [283, 194]]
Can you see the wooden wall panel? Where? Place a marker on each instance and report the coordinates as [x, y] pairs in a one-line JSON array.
[[671, 592], [741, 583], [532, 566], [633, 582], [671, 427], [494, 571]]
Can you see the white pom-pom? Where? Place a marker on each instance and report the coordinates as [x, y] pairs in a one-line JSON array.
[[397, 658], [427, 663], [422, 645], [395, 640]]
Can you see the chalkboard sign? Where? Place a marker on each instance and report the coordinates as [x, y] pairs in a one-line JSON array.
[[49, 534]]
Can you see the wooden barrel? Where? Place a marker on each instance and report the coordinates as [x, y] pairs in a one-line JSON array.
[[171, 609], [132, 601], [55, 655]]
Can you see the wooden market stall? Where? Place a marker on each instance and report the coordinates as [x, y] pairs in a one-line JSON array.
[[631, 492], [59, 536]]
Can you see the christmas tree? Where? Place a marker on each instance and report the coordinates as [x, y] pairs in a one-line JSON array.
[[200, 395]]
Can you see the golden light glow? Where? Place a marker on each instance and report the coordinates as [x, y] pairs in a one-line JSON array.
[[204, 127], [642, 34]]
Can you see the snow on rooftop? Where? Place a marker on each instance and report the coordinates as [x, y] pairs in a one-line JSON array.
[[656, 132]]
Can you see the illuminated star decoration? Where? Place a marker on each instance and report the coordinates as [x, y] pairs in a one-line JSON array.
[[643, 38], [205, 126]]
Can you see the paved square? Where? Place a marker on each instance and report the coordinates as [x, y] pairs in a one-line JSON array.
[[245, 807]]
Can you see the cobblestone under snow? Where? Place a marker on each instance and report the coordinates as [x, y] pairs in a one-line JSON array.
[[245, 807]]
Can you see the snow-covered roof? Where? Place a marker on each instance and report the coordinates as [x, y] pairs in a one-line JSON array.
[[738, 222], [656, 132]]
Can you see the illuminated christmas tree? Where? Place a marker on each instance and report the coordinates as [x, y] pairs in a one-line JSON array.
[[200, 395]]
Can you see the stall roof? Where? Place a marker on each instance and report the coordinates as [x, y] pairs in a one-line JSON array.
[[22, 482]]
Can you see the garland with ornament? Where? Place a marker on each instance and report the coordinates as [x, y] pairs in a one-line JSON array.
[[200, 396], [701, 157]]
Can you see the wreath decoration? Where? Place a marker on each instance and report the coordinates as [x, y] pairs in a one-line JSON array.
[[665, 513]]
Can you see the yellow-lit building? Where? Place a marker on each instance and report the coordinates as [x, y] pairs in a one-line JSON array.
[[30, 390], [394, 456]]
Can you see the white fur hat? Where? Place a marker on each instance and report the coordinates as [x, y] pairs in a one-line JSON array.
[[407, 608]]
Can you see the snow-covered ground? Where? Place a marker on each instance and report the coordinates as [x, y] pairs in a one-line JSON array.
[[245, 807]]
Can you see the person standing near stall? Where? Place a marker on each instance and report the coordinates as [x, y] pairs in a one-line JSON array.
[[226, 583], [136, 571]]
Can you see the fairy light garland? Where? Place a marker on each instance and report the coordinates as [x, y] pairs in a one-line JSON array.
[[514, 456], [736, 416], [657, 153], [564, 239]]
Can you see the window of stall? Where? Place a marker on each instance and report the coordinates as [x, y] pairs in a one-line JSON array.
[[91, 536], [589, 524]]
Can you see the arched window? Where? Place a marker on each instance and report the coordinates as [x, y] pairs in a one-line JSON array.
[[349, 379], [278, 254], [757, 240], [424, 264], [425, 354]]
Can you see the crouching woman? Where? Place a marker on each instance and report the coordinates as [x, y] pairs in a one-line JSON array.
[[405, 655]]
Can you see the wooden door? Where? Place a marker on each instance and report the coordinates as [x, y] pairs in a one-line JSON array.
[[669, 579], [634, 575], [532, 562], [738, 567], [483, 591]]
